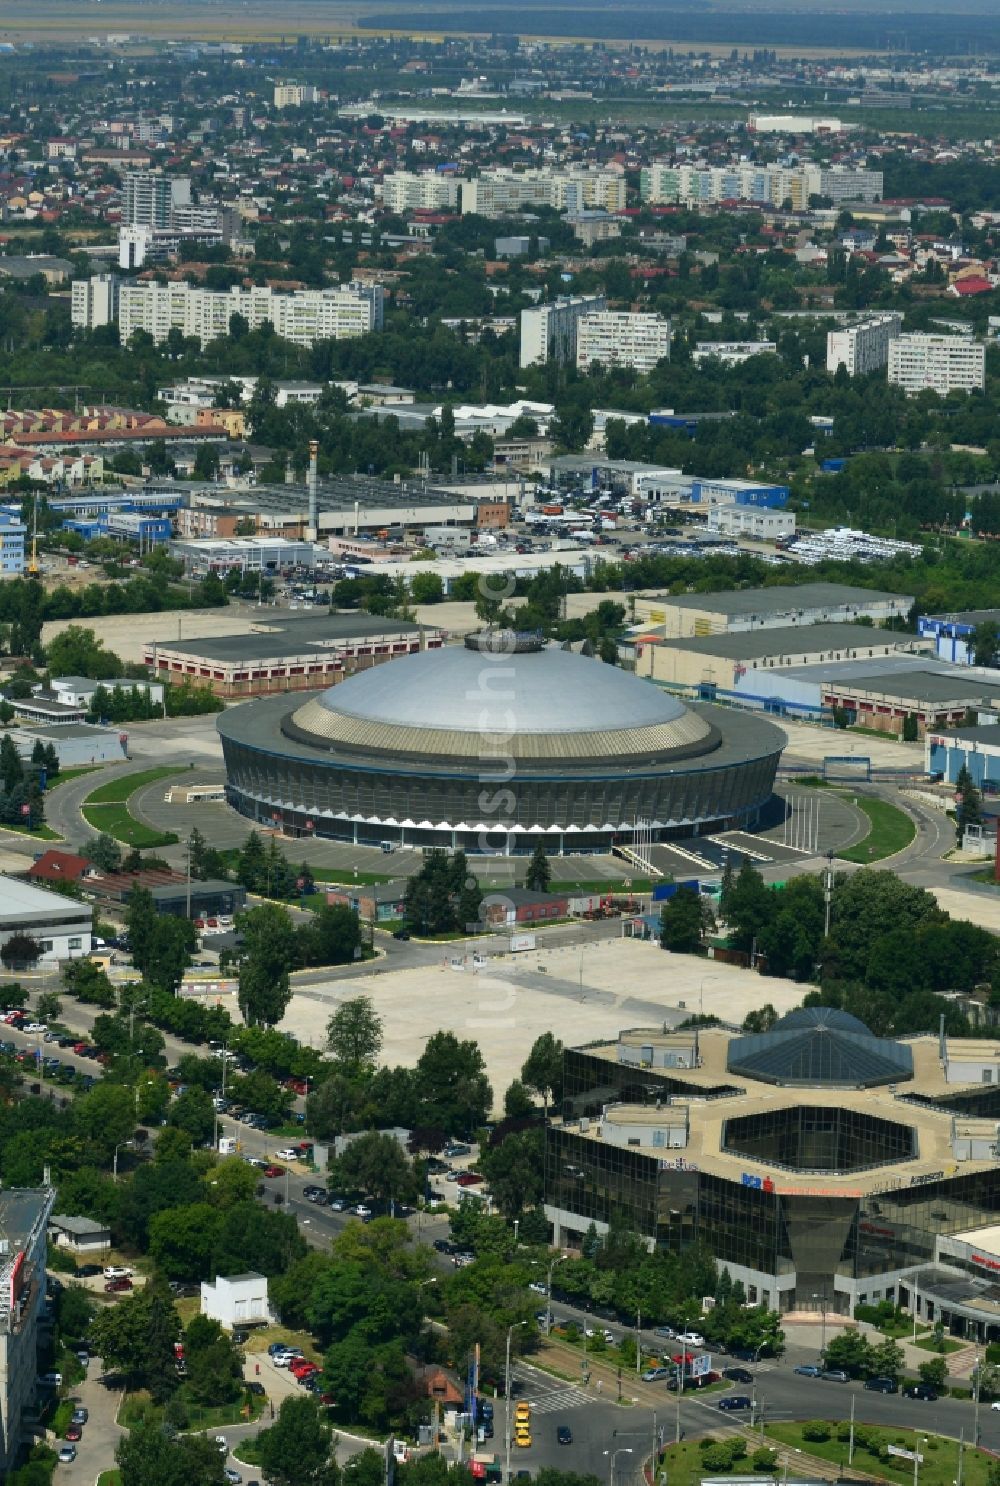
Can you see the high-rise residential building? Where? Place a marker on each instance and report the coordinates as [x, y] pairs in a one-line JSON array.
[[94, 301], [864, 347], [294, 95], [549, 331], [619, 338], [24, 1215], [304, 316], [411, 190], [940, 363], [12, 534], [497, 193], [708, 185], [149, 198]]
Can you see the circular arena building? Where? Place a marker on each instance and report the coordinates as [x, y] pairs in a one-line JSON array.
[[493, 746]]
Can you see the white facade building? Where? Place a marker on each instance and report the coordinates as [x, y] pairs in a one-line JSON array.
[[759, 522], [549, 331], [497, 193], [304, 316], [731, 353], [62, 926], [410, 190], [617, 338], [708, 185], [23, 1223], [864, 347], [294, 95], [94, 301], [148, 198], [236, 1300], [942, 363]]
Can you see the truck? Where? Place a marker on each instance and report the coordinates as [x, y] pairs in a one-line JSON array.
[[521, 941]]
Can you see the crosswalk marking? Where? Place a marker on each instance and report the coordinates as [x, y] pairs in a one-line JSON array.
[[548, 1396]]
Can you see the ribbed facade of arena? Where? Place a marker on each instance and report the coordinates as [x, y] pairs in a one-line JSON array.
[[493, 746]]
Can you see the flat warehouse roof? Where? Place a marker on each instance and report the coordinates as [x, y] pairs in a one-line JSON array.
[[794, 639], [927, 686], [292, 637], [23, 902], [780, 599]]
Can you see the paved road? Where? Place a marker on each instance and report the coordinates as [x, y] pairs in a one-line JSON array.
[[96, 1451]]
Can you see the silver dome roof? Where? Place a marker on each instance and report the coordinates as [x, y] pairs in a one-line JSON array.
[[549, 702]]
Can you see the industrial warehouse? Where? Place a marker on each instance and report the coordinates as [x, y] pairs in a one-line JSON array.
[[819, 1163], [496, 746]]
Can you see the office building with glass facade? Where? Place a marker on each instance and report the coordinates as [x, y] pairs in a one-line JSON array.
[[803, 1158]]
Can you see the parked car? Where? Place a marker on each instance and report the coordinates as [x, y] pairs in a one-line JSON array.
[[691, 1338], [74, 1434], [287, 1153], [118, 1287], [735, 1401], [67, 1454], [222, 1444], [654, 1374], [884, 1385], [51, 1379], [667, 1331], [834, 1375], [81, 1415], [116, 1272], [87, 1271], [564, 1435], [738, 1375], [809, 1370], [272, 1171], [923, 1391]]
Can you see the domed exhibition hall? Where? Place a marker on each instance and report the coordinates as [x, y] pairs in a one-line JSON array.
[[493, 746]]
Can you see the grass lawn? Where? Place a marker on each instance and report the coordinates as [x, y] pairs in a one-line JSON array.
[[119, 789], [106, 809], [940, 1463], [39, 833], [116, 821], [261, 1338], [65, 775], [891, 830], [941, 1348], [138, 1406], [109, 1478]]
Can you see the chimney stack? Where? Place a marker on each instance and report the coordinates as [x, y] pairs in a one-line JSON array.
[[312, 485]]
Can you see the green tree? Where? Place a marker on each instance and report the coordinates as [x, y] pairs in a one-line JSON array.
[[268, 956], [194, 1112], [452, 1085], [354, 1035], [377, 1165], [182, 1240], [136, 1338], [984, 642], [332, 937], [152, 1453], [76, 651], [539, 873], [542, 1069], [886, 1359], [934, 1372], [214, 1369], [968, 803], [681, 922], [850, 1352], [105, 853], [297, 1449], [49, 1006]]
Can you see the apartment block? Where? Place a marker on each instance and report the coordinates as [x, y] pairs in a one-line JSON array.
[[294, 95], [940, 363], [731, 353], [94, 301], [148, 198], [771, 185], [618, 338], [411, 190], [12, 535], [24, 1215], [864, 347], [497, 193], [304, 316], [549, 331]]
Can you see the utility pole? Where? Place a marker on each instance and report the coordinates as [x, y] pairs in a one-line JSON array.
[[850, 1447], [827, 894], [638, 1343]]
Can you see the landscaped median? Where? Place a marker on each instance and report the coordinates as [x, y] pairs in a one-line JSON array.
[[891, 831], [821, 1448], [107, 809]]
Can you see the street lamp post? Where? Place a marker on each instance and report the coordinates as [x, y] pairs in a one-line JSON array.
[[507, 1408], [822, 1301], [920, 1440], [548, 1292], [622, 1450]]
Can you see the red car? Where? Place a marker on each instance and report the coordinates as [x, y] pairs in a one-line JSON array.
[[73, 1433], [301, 1368], [274, 1171], [113, 1287]]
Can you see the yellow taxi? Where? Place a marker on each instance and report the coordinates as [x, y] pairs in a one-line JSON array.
[[522, 1413], [522, 1436]]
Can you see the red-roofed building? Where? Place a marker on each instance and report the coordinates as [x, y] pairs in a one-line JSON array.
[[974, 284], [59, 866]]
